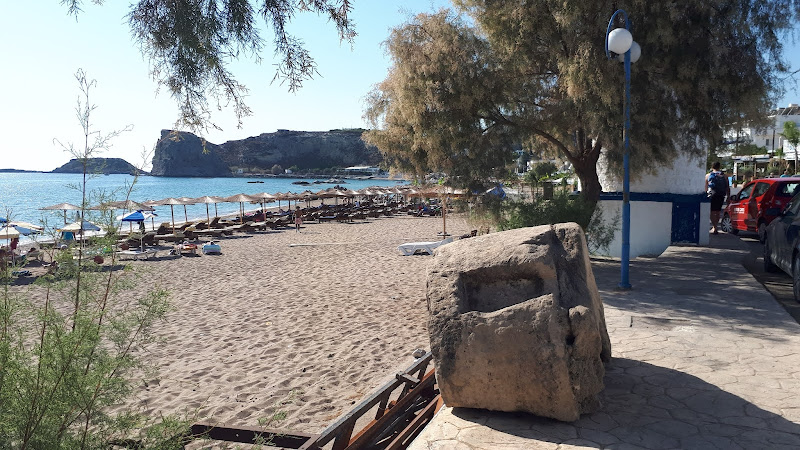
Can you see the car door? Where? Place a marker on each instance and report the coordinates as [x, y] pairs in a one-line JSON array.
[[737, 208], [783, 235], [753, 205]]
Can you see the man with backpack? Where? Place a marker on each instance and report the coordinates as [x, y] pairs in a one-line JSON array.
[[718, 190]]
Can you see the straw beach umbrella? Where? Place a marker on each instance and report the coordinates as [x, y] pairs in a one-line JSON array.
[[264, 198], [208, 200], [241, 199], [171, 202], [62, 207], [186, 201]]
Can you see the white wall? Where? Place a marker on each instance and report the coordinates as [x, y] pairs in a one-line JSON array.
[[651, 227], [685, 176], [651, 222]]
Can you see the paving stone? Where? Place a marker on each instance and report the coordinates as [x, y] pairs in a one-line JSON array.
[[721, 372], [599, 421], [600, 438], [578, 444], [465, 417], [698, 442]]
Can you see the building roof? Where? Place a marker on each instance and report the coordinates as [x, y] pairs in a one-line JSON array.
[[792, 110]]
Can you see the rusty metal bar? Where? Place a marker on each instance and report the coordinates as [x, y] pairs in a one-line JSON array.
[[363, 437], [349, 419], [343, 439], [248, 435], [416, 425], [382, 406]]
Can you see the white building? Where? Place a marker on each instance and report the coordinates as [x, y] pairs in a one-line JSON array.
[[770, 137]]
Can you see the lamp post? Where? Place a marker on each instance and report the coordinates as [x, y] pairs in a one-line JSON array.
[[620, 42]]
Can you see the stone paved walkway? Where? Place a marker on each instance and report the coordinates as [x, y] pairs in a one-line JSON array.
[[703, 357]]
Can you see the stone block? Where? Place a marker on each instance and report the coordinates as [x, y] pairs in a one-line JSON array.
[[516, 323]]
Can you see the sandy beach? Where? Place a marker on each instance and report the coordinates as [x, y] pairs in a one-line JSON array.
[[308, 323]]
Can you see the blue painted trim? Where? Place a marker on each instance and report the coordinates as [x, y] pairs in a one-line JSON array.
[[657, 197]]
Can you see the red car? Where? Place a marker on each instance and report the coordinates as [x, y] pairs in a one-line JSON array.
[[757, 204]]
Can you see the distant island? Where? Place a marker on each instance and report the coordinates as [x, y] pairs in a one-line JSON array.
[[20, 171], [105, 166]]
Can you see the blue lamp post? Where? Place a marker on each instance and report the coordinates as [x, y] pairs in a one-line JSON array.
[[619, 42]]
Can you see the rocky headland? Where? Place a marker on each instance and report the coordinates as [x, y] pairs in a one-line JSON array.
[[183, 154]]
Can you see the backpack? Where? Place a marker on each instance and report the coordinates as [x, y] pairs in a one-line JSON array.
[[717, 184]]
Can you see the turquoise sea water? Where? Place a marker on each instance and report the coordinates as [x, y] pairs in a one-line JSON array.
[[23, 194]]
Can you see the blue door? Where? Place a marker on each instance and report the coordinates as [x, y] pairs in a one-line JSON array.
[[685, 223]]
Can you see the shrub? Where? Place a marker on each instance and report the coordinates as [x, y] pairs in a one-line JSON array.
[[561, 208]]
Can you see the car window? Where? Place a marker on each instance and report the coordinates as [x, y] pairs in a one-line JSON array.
[[794, 206], [745, 194], [787, 189], [760, 189]]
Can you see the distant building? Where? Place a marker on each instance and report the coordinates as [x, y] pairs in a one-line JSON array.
[[362, 170], [769, 137]]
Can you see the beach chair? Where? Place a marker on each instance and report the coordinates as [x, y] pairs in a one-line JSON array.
[[417, 248], [135, 254], [164, 228]]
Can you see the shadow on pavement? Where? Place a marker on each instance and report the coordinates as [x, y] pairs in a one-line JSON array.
[[647, 406]]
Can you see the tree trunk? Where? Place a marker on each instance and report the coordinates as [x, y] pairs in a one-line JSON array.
[[586, 169], [585, 165]]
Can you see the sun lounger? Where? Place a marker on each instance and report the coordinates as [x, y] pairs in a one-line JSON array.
[[413, 248], [212, 233], [135, 254]]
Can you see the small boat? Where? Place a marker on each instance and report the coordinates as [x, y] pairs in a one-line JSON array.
[[259, 181]]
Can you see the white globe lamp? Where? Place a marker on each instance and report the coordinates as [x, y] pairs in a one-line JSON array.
[[636, 53], [619, 40]]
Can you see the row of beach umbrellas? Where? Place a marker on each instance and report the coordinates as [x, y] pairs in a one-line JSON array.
[[140, 211]]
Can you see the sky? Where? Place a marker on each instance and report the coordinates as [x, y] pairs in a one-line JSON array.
[[43, 48]]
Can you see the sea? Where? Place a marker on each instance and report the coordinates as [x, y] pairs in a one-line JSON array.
[[22, 195]]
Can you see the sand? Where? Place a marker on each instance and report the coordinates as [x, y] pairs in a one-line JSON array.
[[309, 323]]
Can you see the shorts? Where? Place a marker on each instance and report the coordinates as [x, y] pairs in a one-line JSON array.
[[716, 202]]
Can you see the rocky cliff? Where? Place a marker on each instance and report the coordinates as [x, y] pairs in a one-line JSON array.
[[181, 154], [99, 165]]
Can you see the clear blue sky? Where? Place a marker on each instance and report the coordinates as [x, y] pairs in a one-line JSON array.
[[43, 48]]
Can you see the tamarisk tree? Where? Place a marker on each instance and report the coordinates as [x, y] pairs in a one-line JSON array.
[[459, 93]]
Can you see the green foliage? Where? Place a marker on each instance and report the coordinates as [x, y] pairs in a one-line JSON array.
[[276, 169], [792, 135], [458, 92], [427, 115], [562, 208], [749, 149], [69, 354], [506, 215]]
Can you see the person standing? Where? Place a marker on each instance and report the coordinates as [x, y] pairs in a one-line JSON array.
[[298, 219], [718, 190]]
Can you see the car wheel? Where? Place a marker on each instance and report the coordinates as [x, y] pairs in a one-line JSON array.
[[727, 225], [769, 266], [762, 232], [796, 278]]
